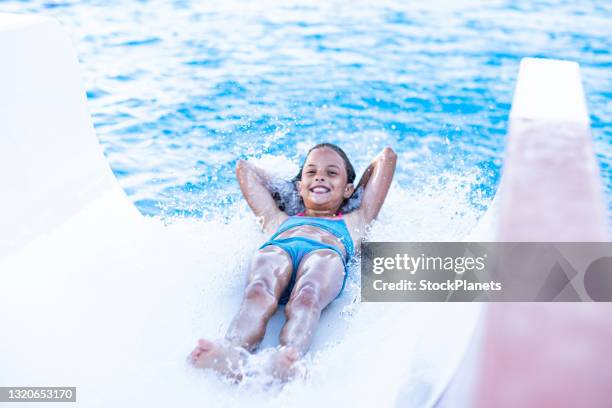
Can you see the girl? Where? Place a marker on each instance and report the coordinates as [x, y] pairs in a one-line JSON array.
[[304, 263]]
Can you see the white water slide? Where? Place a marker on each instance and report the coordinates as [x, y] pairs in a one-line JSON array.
[[94, 295]]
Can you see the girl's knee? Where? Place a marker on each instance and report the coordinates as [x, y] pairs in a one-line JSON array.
[[259, 290], [307, 297]]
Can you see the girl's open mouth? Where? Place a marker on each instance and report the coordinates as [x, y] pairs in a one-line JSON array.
[[320, 190]]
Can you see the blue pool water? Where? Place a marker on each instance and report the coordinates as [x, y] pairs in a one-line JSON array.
[[180, 90]]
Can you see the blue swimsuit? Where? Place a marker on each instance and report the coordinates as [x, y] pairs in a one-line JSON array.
[[297, 247]]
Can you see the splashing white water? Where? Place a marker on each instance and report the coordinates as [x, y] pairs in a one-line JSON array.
[[114, 309]]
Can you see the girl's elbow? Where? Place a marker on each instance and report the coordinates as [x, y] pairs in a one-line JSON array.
[[241, 167], [388, 151], [241, 171], [389, 154]]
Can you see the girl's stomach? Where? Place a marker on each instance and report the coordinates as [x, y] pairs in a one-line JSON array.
[[315, 233]]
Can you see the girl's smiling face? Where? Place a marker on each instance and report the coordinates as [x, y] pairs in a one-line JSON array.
[[324, 186]]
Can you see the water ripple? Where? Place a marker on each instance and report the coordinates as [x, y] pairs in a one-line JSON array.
[[180, 90]]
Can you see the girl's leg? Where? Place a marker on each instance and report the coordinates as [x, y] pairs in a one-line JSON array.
[[268, 276], [320, 277]]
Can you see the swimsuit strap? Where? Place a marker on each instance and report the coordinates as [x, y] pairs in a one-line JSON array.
[[301, 214]]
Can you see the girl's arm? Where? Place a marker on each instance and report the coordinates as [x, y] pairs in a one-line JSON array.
[[253, 181], [376, 181]]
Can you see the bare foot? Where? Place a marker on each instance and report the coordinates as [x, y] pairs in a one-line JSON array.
[[283, 361], [220, 356]]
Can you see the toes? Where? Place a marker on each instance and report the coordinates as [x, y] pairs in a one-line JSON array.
[[283, 367], [220, 357], [205, 345], [290, 354], [195, 353]]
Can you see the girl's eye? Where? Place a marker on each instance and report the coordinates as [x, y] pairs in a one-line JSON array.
[[311, 172], [332, 173]]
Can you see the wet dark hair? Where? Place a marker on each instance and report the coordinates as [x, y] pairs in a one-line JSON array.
[[350, 171]]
